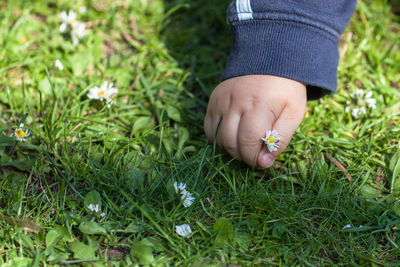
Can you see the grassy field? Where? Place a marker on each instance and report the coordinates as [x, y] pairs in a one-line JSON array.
[[92, 183]]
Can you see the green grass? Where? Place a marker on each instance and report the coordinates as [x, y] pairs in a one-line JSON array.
[[166, 57]]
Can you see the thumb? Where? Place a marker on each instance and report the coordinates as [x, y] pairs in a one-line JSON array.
[[285, 125]]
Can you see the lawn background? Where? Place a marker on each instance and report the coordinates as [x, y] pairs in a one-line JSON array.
[[165, 57]]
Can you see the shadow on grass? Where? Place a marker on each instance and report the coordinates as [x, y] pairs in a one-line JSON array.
[[198, 36]]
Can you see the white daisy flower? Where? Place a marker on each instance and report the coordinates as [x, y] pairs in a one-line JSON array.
[[105, 93], [371, 102], [94, 208], [68, 19], [58, 64], [357, 94], [186, 196], [179, 187], [78, 31], [183, 230], [271, 139], [361, 102], [20, 133]]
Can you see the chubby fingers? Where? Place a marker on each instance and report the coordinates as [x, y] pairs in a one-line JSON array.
[[252, 127], [286, 124], [224, 129]]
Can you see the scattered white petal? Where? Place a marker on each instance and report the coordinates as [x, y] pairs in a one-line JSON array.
[[82, 9], [59, 65], [183, 230], [347, 226], [271, 140]]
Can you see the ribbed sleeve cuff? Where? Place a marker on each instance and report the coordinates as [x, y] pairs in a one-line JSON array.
[[287, 49]]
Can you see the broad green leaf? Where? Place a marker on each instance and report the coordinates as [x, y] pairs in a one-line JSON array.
[[173, 113], [133, 227], [370, 191], [26, 241], [82, 251], [225, 232], [92, 243], [243, 240], [141, 123], [183, 137], [91, 228], [52, 237], [168, 144], [18, 262], [65, 234], [142, 253], [55, 256], [394, 167], [44, 86], [22, 165]]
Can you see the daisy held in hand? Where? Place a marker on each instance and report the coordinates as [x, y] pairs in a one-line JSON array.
[[271, 140]]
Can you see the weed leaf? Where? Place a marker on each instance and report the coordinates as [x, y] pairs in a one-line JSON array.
[[142, 253], [225, 232]]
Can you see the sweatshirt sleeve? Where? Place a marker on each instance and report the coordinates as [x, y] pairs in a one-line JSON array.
[[295, 39]]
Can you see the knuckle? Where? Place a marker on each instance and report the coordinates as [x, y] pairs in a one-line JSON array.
[[230, 148], [246, 142]]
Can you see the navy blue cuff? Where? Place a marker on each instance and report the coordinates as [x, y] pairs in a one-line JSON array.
[[287, 49]]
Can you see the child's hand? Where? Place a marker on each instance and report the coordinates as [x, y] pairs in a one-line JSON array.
[[250, 105]]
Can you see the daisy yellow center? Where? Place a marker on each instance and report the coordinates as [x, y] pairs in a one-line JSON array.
[[101, 93], [20, 133], [271, 139], [73, 22]]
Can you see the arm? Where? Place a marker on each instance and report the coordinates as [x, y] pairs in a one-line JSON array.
[[295, 39], [284, 52]]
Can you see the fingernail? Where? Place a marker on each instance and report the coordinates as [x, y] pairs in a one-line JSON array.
[[268, 160]]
